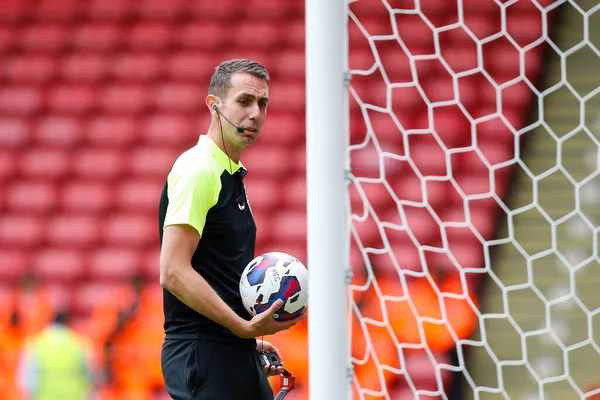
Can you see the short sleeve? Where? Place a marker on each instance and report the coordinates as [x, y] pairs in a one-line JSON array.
[[191, 194]]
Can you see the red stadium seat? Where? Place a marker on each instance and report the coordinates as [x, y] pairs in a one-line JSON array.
[[57, 9], [55, 130], [60, 295], [272, 9], [6, 37], [190, 65], [222, 11], [283, 128], [86, 197], [480, 7], [114, 264], [32, 68], [71, 99], [43, 36], [150, 35], [202, 33], [289, 96], [15, 263], [423, 371], [58, 265], [174, 96], [501, 60], [369, 10], [137, 66], [129, 229], [266, 161], [440, 88], [473, 182], [468, 253], [265, 231], [175, 130], [84, 67], [89, 294], [111, 130], [110, 9], [98, 36], [290, 226], [99, 164], [422, 223], [496, 130], [150, 264], [152, 162], [362, 58], [20, 100], [402, 251], [15, 132], [524, 28], [429, 157], [482, 25], [13, 10], [71, 231], [452, 126], [8, 164], [139, 195], [30, 196], [264, 194], [293, 196], [160, 9], [263, 28], [21, 230], [125, 98], [45, 163], [461, 57], [289, 64], [413, 31], [294, 33]]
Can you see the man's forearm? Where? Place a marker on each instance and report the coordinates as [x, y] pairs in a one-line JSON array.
[[193, 290]]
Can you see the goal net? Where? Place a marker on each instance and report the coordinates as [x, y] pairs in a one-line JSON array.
[[474, 130]]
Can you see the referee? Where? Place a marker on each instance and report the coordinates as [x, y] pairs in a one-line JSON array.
[[207, 235]]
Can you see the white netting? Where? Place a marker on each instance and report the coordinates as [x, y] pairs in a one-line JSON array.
[[458, 292]]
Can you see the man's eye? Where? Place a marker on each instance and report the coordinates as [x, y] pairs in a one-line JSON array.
[[243, 101], [262, 104]]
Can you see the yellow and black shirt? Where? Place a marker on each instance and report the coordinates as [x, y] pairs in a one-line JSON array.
[[204, 189]]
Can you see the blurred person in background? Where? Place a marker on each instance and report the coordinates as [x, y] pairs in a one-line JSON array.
[[126, 329], [31, 304], [56, 364], [25, 311]]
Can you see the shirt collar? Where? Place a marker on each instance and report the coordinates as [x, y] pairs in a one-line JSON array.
[[223, 159]]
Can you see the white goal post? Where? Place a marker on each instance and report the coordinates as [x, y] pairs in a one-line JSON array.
[[326, 149]]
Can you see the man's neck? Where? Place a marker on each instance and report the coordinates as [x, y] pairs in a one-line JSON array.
[[215, 134]]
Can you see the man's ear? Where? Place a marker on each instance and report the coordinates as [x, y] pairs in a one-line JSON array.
[[212, 102]]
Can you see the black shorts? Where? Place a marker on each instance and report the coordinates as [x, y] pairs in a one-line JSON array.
[[207, 370]]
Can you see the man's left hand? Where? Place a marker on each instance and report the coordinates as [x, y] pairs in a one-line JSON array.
[[265, 347]]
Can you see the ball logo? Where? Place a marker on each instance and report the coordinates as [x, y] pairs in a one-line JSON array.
[[275, 277]]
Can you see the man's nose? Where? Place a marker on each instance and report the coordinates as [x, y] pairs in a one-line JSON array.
[[255, 112]]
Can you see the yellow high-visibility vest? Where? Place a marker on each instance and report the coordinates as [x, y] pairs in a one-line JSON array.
[[60, 356]]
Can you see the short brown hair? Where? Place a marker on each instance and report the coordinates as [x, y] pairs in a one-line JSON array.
[[219, 83]]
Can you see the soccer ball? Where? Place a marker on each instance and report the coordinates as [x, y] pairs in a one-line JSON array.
[[273, 276]]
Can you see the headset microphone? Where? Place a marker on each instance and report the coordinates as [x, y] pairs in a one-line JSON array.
[[239, 129]]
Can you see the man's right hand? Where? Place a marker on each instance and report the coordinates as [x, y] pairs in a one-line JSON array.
[[264, 324]]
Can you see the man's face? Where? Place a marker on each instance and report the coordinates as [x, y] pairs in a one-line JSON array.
[[246, 106]]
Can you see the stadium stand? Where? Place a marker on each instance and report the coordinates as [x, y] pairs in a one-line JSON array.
[[98, 97]]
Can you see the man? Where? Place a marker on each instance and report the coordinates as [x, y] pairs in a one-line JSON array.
[[56, 364], [208, 236]]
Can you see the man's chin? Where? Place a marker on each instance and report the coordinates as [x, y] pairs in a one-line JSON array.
[[248, 139]]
